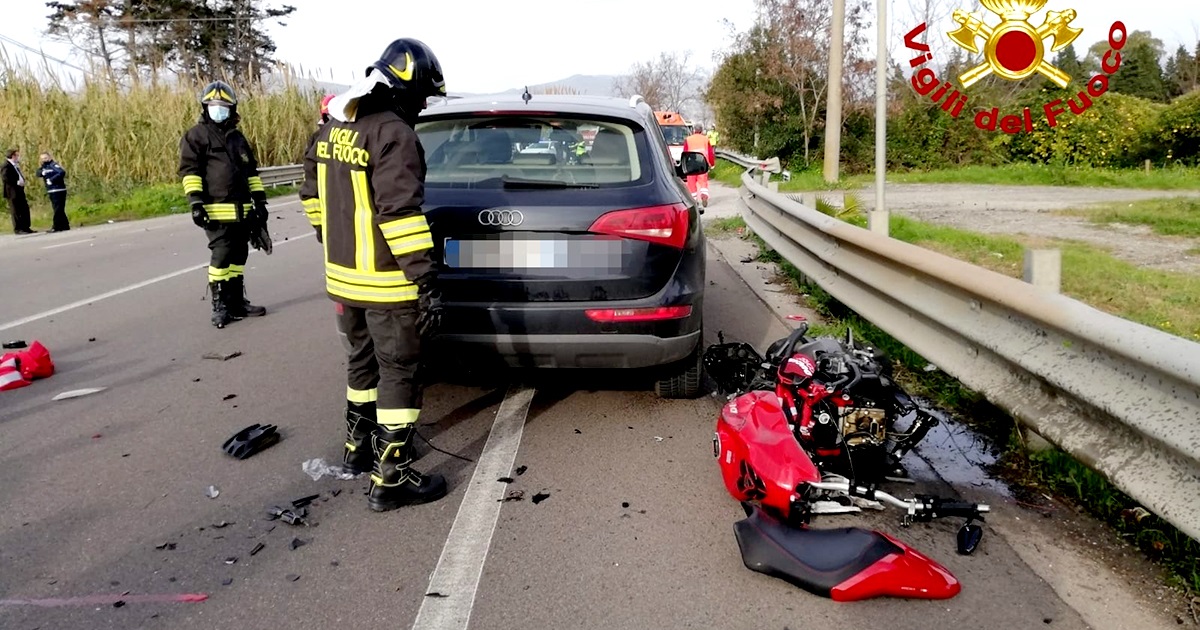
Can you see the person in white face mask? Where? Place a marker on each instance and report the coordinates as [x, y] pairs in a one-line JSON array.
[[221, 181]]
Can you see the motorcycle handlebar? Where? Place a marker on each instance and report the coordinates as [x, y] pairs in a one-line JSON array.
[[931, 506]]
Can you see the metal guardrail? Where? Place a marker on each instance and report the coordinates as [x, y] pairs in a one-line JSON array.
[[1121, 397], [281, 175]]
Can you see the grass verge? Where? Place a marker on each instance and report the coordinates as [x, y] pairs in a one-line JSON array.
[[1173, 178], [1054, 470], [1176, 216], [92, 207]]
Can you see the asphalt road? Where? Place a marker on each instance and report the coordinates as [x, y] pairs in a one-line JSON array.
[[93, 486]]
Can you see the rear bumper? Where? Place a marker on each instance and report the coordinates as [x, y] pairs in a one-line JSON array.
[[574, 351]]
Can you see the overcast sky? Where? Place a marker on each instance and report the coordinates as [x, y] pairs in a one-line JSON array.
[[501, 44]]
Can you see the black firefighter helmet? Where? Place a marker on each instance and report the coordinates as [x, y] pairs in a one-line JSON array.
[[412, 69], [218, 91]]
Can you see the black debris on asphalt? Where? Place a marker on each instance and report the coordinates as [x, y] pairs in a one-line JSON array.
[[304, 501], [514, 495], [221, 525], [166, 545], [232, 560], [297, 543], [257, 548], [293, 577], [229, 397], [227, 581], [335, 492], [578, 432], [624, 504], [505, 480], [223, 356], [521, 470], [119, 603], [541, 496], [435, 594]]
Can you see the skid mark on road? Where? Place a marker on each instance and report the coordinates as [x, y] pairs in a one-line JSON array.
[[126, 289], [456, 578]]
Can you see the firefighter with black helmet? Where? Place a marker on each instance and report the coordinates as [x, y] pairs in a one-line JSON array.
[[366, 172], [222, 184]]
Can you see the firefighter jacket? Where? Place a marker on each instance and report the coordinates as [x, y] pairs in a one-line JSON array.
[[219, 170], [369, 180], [308, 189], [699, 143]]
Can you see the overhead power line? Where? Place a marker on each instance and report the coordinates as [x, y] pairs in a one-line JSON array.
[[40, 53]]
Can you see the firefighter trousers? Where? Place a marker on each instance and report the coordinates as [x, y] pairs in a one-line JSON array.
[[230, 245], [383, 361]]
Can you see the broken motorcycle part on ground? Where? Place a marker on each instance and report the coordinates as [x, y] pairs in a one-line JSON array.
[[318, 467], [839, 397], [20, 369], [289, 516], [768, 471], [809, 430], [251, 440]]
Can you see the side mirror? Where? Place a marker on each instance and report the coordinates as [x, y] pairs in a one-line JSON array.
[[692, 163]]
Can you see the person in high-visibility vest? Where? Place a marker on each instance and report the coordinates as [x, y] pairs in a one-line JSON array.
[[698, 184], [713, 135]]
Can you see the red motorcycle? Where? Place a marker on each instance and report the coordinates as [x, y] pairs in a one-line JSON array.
[[775, 461]]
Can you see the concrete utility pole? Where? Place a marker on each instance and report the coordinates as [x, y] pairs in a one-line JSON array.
[[833, 109], [877, 220]]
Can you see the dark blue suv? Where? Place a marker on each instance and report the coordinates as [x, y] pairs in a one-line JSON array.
[[567, 236]]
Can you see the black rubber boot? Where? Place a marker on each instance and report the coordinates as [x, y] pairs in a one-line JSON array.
[[220, 310], [239, 306], [358, 456], [395, 484]]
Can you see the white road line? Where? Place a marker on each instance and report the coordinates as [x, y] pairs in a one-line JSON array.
[[126, 289], [458, 571], [65, 244]]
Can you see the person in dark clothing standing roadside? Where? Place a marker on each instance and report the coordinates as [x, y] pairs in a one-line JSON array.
[[221, 180], [366, 172], [55, 177], [14, 192]]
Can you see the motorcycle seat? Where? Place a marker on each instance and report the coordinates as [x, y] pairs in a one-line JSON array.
[[816, 560]]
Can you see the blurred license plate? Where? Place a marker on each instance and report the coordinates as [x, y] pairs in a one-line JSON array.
[[603, 254]]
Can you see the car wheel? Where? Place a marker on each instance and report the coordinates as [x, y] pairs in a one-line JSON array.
[[686, 381]]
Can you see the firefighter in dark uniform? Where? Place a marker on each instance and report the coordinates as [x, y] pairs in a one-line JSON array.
[[366, 171], [308, 193], [221, 181]]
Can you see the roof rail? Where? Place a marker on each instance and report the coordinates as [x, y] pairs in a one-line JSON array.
[[635, 99]]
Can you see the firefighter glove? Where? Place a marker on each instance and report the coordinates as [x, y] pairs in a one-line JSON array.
[[429, 303], [200, 215], [259, 213], [317, 228]]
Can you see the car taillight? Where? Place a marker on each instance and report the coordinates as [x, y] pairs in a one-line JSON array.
[[666, 225], [652, 314]]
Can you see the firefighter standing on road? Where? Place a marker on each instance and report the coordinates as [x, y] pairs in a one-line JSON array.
[[308, 193], [221, 181], [698, 142], [367, 172]]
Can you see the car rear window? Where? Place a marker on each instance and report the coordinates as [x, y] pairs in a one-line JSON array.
[[487, 151]]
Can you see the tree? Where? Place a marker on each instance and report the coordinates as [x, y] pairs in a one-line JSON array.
[[198, 39], [667, 83], [1181, 75]]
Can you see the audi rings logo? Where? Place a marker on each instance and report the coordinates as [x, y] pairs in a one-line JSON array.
[[505, 218]]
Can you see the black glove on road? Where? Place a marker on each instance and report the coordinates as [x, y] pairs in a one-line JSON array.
[[200, 215]]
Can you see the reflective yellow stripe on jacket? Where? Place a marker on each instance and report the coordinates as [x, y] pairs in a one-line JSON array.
[[222, 212], [192, 184]]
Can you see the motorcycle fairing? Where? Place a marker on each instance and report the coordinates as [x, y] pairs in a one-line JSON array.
[[845, 564], [759, 457]]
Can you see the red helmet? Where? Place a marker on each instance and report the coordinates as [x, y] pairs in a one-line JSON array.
[[325, 104]]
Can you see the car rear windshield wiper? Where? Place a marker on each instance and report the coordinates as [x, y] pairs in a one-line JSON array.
[[511, 182]]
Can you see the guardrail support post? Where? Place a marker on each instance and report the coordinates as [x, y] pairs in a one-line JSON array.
[[877, 221], [764, 178], [1043, 268]]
